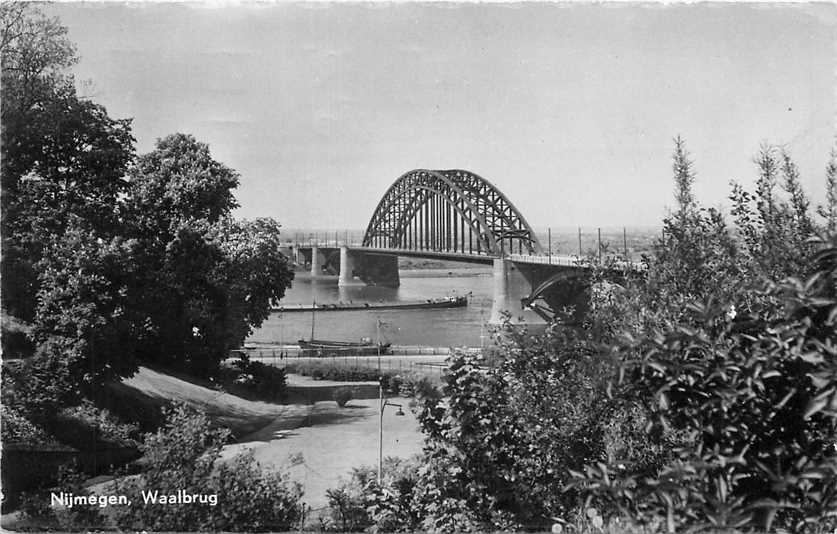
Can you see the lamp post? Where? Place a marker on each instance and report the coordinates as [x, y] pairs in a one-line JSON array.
[[400, 412], [378, 342]]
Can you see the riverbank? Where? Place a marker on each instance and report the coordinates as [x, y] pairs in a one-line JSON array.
[[406, 263], [453, 272]]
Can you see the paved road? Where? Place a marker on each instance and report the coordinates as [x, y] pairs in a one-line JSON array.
[[331, 441]]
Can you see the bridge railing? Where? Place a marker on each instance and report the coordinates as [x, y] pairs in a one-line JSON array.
[[567, 261], [324, 239], [323, 244], [614, 262]]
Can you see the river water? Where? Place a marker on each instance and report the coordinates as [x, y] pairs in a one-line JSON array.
[[453, 327]]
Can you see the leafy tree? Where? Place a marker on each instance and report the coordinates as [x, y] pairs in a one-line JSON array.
[[775, 232], [34, 47], [179, 182], [206, 280], [255, 271], [828, 211], [82, 329], [63, 157], [696, 256], [684, 178], [82, 316]]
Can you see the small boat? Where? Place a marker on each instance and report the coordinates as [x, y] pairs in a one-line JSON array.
[[319, 347], [446, 302]]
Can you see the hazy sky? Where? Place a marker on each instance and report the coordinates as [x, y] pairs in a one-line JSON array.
[[568, 109]]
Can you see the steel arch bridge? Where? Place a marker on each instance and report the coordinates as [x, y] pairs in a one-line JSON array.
[[449, 211]]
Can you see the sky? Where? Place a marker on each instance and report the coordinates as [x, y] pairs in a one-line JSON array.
[[568, 109]]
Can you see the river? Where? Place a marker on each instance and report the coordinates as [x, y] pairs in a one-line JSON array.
[[453, 327]]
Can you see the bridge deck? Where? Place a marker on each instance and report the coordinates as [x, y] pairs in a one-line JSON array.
[[486, 259]]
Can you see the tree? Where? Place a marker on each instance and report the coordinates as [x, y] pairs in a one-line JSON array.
[[696, 256], [179, 183], [828, 211], [256, 270], [33, 46], [684, 178], [206, 280], [63, 157], [83, 316], [775, 232]]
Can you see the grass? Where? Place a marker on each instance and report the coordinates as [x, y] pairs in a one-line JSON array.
[[147, 391]]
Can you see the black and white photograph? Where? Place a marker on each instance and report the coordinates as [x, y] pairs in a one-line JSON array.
[[401, 266]]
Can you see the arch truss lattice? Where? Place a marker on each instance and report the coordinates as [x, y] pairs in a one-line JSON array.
[[453, 211]]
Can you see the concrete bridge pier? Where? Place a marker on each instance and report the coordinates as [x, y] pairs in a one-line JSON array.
[[297, 256], [317, 261], [349, 268], [511, 285]]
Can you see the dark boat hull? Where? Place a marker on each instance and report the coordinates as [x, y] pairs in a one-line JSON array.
[[321, 348], [458, 302]]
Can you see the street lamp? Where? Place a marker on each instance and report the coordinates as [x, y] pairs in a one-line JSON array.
[[378, 342], [400, 412]]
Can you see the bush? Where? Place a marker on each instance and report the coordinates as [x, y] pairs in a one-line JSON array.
[[342, 395], [184, 455], [86, 424], [394, 384], [755, 394], [407, 384], [337, 373], [348, 503], [39, 387], [360, 503], [268, 381], [731, 363], [254, 380], [416, 385], [504, 439], [36, 506], [16, 429]]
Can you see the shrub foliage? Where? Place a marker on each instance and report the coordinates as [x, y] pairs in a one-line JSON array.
[[756, 395], [185, 455]]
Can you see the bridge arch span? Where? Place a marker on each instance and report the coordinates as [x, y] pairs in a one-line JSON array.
[[449, 211]]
